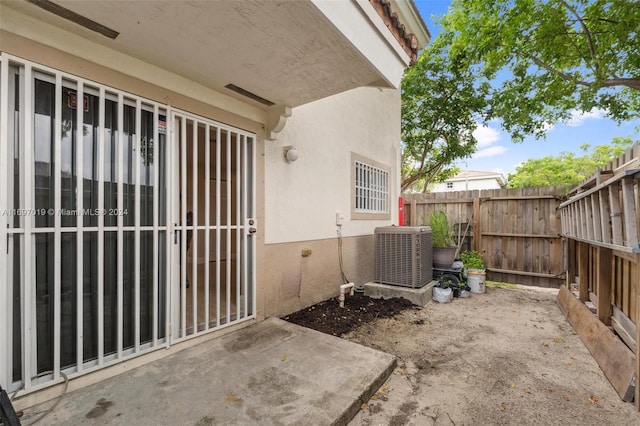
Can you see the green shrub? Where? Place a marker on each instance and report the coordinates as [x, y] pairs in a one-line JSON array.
[[472, 260], [440, 232]]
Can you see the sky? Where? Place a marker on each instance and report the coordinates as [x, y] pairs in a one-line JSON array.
[[496, 152]]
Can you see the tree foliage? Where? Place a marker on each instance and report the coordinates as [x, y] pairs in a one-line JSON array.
[[546, 59], [526, 63], [566, 168], [440, 106]]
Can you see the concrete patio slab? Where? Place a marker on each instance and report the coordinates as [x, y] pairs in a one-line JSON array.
[[273, 372]]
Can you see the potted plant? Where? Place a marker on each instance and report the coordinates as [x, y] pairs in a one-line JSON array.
[[475, 270], [444, 248], [443, 291], [472, 260]]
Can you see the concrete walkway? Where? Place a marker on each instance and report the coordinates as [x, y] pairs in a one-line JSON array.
[[271, 373]]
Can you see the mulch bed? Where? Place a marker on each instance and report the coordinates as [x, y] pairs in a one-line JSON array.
[[328, 317]]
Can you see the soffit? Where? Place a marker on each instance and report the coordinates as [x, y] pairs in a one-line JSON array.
[[287, 52]]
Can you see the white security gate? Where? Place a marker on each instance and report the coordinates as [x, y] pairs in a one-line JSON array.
[[95, 249], [214, 225]]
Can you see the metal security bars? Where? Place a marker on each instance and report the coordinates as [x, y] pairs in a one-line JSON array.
[[213, 235], [371, 189], [93, 225], [83, 206]]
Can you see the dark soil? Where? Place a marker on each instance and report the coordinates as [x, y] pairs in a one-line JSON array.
[[328, 317]]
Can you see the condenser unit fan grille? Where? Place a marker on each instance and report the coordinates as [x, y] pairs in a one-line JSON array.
[[403, 256]]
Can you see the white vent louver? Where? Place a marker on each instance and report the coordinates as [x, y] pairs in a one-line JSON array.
[[403, 256]]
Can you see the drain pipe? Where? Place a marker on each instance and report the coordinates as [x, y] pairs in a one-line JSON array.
[[343, 289]]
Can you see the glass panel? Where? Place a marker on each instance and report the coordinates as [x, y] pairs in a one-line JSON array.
[[68, 304], [44, 301], [16, 151], [68, 160], [127, 210], [15, 242], [162, 283], [128, 288], [44, 111], [161, 162], [90, 295], [146, 164], [17, 310], [90, 159], [110, 296], [146, 286], [110, 163]]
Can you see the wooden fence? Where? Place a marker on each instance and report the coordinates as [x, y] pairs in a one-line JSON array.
[[517, 231], [601, 221]]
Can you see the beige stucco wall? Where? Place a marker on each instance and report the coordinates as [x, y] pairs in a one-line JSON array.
[[304, 196], [294, 281]]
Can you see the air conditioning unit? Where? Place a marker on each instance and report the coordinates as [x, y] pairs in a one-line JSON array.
[[403, 256]]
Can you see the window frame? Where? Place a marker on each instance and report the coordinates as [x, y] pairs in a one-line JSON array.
[[376, 168]]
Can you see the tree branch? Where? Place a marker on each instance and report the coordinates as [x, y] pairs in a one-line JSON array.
[[557, 72], [587, 34], [631, 83]]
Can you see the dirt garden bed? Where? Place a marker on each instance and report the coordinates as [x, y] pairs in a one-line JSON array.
[[504, 357]]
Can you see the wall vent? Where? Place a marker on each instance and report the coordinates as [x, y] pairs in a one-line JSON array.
[[403, 256]]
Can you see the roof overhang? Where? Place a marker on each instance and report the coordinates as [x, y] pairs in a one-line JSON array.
[[286, 53]]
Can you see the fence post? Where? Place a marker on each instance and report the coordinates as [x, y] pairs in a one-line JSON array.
[[583, 271], [476, 225], [413, 216], [604, 285]]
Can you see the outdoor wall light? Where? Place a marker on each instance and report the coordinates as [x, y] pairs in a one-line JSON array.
[[290, 153]]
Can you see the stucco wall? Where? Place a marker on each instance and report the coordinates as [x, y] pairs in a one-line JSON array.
[[294, 281], [304, 196]]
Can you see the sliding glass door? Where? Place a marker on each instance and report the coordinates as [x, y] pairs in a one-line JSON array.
[[85, 213], [125, 225]]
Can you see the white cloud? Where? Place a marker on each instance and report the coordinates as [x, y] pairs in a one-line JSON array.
[[486, 136], [547, 127], [578, 117], [492, 151]]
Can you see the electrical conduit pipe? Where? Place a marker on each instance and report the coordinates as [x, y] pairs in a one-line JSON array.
[[343, 289]]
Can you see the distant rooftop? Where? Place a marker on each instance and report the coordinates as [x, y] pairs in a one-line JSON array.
[[471, 174]]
